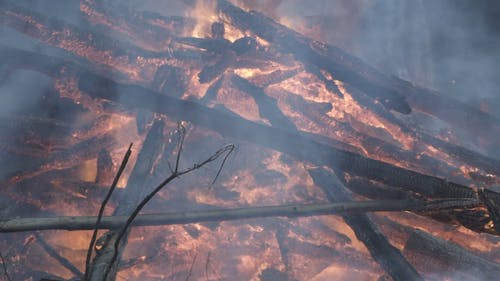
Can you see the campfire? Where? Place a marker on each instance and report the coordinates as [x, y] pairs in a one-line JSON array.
[[222, 144]]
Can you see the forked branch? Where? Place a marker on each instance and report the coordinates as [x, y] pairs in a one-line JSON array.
[[176, 173]]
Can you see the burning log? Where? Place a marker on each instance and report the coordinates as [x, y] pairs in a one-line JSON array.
[[84, 150], [447, 254], [104, 167], [274, 77], [106, 257], [276, 138], [268, 107], [390, 258], [373, 189], [304, 49], [290, 211], [212, 91], [149, 29], [54, 31], [170, 80], [492, 201], [210, 72], [152, 149], [353, 162], [475, 219], [449, 259], [394, 93]]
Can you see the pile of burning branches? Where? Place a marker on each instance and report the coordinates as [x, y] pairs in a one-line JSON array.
[[332, 134]]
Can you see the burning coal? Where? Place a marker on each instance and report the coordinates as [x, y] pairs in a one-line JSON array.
[[313, 139]]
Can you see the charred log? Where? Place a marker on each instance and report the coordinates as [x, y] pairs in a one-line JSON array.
[[170, 80], [274, 77], [394, 93], [135, 192], [210, 72], [276, 138], [476, 219], [268, 107], [302, 47], [212, 91], [447, 254], [390, 258], [104, 167]]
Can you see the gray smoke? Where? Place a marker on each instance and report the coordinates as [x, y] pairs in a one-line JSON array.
[[449, 45]]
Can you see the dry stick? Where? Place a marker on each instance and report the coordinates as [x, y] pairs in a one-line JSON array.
[[103, 205], [176, 173], [4, 266], [293, 210]]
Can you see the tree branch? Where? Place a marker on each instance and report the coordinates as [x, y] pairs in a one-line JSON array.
[[294, 210]]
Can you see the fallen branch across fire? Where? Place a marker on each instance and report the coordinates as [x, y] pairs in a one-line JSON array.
[[297, 210]]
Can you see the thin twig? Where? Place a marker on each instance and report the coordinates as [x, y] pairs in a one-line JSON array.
[[103, 206], [191, 268], [176, 174], [222, 164], [4, 266], [207, 263]]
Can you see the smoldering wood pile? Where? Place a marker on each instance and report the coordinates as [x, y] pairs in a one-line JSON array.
[[151, 72]]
